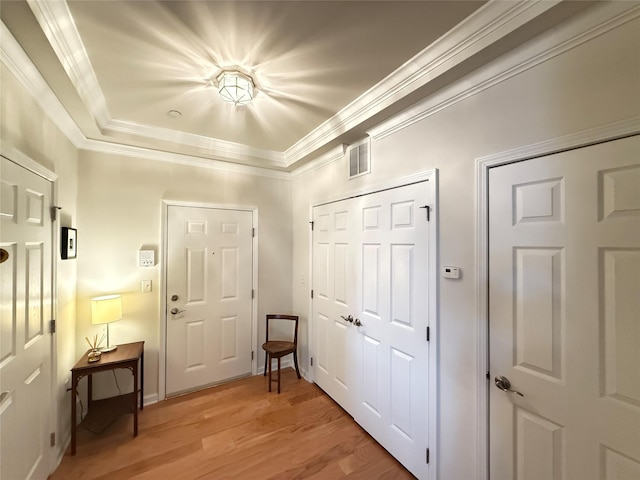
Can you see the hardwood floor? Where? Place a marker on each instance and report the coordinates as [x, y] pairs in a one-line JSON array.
[[235, 431]]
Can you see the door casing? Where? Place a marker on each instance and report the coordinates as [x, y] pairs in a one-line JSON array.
[[162, 354], [483, 164]]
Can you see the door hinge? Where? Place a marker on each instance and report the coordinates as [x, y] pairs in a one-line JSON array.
[[54, 212], [53, 439], [311, 223], [253, 232], [253, 293], [311, 293], [251, 354], [312, 361], [427, 456], [428, 334], [52, 326], [428, 209]]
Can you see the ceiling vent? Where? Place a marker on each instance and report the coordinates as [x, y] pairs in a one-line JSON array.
[[360, 158]]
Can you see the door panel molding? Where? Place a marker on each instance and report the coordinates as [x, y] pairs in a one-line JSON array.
[[162, 353], [604, 133], [400, 216]]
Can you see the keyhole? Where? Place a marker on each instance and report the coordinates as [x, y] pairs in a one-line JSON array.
[[174, 298]]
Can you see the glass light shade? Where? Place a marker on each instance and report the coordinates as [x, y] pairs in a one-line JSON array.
[[106, 309], [235, 87]]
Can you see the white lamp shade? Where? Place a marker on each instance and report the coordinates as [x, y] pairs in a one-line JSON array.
[[106, 309]]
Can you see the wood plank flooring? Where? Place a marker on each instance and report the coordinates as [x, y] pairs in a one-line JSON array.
[[235, 431]]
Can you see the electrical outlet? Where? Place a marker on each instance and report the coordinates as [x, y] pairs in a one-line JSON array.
[[146, 286]]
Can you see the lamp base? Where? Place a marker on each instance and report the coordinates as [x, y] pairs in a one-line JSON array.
[[108, 348]]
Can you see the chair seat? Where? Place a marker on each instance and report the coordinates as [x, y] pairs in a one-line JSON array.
[[279, 348]]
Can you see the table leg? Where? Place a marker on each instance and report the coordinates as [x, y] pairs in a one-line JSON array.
[[74, 393], [135, 400], [142, 381]]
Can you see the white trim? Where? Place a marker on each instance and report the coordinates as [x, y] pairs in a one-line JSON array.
[[491, 22], [608, 17], [386, 185], [16, 156], [484, 27], [223, 149], [333, 155], [180, 159], [162, 350], [20, 65], [59, 27], [584, 138]]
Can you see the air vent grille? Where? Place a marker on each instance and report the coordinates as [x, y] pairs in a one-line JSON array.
[[359, 158]]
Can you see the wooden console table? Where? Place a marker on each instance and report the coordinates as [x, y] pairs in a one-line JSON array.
[[125, 356]]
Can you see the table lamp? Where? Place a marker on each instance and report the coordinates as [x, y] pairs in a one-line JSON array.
[[106, 309]]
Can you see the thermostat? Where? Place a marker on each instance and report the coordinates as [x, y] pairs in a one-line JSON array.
[[451, 272], [146, 258]]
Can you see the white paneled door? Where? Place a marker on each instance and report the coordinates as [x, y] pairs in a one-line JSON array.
[[209, 296], [25, 310], [564, 301], [371, 312]]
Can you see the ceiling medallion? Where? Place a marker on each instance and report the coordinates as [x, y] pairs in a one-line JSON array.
[[235, 87]]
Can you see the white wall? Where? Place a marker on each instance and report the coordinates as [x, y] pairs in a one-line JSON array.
[[120, 211], [591, 85], [26, 129]]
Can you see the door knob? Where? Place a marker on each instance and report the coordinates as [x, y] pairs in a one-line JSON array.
[[504, 384], [175, 310], [357, 322], [348, 318]]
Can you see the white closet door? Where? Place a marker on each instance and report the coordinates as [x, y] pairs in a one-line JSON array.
[[371, 312], [335, 340]]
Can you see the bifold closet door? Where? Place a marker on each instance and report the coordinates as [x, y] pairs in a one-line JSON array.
[[371, 312]]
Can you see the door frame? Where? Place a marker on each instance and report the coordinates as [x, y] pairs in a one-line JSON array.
[[433, 280], [604, 133], [55, 453], [162, 351]]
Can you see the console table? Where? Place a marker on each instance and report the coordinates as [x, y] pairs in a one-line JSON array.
[[128, 356]]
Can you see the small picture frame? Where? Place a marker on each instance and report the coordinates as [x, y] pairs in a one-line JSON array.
[[69, 243]]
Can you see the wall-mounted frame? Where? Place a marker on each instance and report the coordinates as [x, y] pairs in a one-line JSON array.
[[68, 243]]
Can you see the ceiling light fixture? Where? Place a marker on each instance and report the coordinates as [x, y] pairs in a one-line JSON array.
[[235, 87]]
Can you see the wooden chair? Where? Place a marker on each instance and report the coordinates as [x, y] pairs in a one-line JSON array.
[[280, 348]]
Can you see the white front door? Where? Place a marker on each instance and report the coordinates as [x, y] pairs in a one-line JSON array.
[[209, 296], [564, 303], [371, 312], [25, 310]]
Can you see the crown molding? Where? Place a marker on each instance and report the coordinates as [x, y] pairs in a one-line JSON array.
[[60, 29], [593, 24], [490, 23], [487, 25], [219, 148], [180, 159], [333, 155], [18, 63]]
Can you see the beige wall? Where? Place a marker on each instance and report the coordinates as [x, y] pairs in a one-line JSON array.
[[120, 211], [590, 86], [26, 129]]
